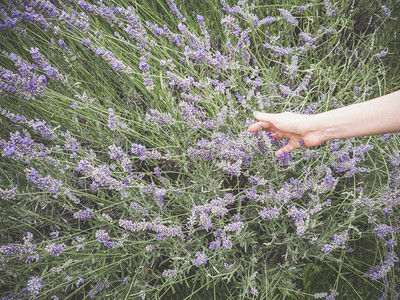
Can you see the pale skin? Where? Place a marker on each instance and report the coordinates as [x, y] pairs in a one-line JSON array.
[[377, 116]]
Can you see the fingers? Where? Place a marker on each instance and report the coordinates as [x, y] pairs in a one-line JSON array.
[[277, 135], [264, 117], [264, 125], [289, 147]]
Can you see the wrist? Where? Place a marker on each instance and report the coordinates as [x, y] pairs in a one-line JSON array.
[[320, 128]]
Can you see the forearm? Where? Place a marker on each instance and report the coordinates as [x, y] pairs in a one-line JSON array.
[[376, 116]]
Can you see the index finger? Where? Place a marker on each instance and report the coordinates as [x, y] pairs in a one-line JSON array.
[[267, 126]]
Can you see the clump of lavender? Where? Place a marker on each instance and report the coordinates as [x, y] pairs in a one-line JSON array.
[[156, 117], [139, 209], [141, 150], [380, 54], [157, 193], [176, 10], [101, 176], [230, 23], [269, 213], [118, 154], [382, 230], [109, 57], [288, 17], [48, 69], [233, 152], [20, 252], [338, 240], [27, 84], [43, 183], [83, 214], [34, 285], [156, 226], [379, 272], [70, 143], [293, 66], [386, 11], [201, 259], [147, 80], [170, 273], [55, 249], [8, 194], [301, 219], [304, 7], [347, 158], [330, 11], [113, 121], [197, 104]]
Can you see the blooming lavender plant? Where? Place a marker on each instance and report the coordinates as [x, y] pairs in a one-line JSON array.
[[189, 188]]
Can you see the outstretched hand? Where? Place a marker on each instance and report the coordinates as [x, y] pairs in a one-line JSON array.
[[295, 127]]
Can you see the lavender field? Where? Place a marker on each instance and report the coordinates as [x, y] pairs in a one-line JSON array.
[[127, 169]]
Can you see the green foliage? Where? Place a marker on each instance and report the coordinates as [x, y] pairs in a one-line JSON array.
[[270, 258]]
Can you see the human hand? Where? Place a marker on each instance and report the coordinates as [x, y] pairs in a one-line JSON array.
[[295, 127]]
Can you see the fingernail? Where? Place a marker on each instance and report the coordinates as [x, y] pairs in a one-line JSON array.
[[256, 113]]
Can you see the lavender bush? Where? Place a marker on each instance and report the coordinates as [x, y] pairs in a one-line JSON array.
[[127, 171]]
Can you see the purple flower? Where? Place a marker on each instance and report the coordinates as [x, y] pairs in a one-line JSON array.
[[269, 213], [201, 259], [383, 230], [386, 11], [338, 240], [83, 214], [42, 126], [330, 12], [8, 194], [304, 7], [170, 273], [102, 237], [43, 62], [26, 84], [380, 54], [379, 272], [278, 50], [34, 285], [79, 282], [300, 217], [200, 19], [157, 193], [43, 183], [143, 66], [54, 234], [113, 121], [391, 243], [139, 209], [288, 17], [55, 249], [70, 143], [227, 243], [214, 245], [230, 23], [326, 248], [254, 291], [62, 44], [175, 10], [74, 105], [156, 117], [235, 226], [114, 63]]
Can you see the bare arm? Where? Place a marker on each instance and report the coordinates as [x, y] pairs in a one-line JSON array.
[[376, 116]]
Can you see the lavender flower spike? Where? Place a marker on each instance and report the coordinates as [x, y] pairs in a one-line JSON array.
[[288, 17]]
